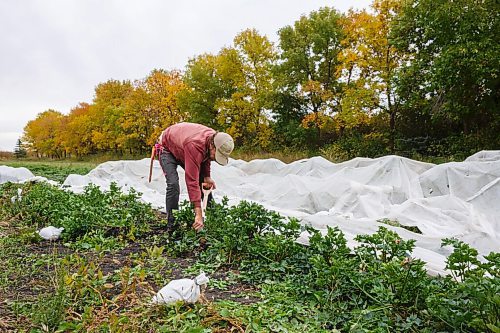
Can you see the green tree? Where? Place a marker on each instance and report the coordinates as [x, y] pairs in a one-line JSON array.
[[287, 114], [19, 150], [454, 73], [204, 87], [308, 67]]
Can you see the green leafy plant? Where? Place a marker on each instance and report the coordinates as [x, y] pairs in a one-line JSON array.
[[473, 303], [110, 212], [272, 283], [259, 242]]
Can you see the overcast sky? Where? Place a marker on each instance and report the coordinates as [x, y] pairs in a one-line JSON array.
[[54, 52]]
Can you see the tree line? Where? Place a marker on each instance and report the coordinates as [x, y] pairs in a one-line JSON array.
[[406, 76]]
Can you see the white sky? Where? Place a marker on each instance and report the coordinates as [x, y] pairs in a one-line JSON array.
[[54, 52]]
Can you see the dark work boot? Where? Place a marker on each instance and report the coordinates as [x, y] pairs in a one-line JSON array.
[[171, 226]]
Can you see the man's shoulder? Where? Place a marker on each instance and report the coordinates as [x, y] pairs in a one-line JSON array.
[[189, 126]]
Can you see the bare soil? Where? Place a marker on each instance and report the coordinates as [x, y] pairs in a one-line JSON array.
[[27, 287]]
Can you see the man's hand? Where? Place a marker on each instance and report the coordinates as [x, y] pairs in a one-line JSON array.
[[208, 183], [198, 219]]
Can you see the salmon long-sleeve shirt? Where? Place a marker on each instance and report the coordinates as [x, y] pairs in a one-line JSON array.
[[190, 143]]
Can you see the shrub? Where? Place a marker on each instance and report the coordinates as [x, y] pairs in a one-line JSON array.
[[356, 145]]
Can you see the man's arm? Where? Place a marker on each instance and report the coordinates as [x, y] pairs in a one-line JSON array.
[[205, 168], [192, 163], [198, 219]]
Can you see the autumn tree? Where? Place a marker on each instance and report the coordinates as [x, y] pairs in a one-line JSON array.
[[137, 121], [371, 62], [77, 133], [359, 98], [248, 67], [106, 113], [164, 88], [308, 66], [42, 134], [231, 91], [151, 107]]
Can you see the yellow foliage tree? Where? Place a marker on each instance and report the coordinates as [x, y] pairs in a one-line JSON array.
[[162, 107], [41, 134], [321, 116], [248, 67], [370, 61], [77, 133], [106, 113], [136, 123]]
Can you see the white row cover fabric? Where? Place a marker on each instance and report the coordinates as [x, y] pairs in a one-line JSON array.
[[14, 175], [18, 197], [460, 199], [20, 175]]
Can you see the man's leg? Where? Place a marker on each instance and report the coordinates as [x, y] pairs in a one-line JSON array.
[[169, 166]]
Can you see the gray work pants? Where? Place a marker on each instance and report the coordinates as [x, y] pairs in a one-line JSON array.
[[169, 166]]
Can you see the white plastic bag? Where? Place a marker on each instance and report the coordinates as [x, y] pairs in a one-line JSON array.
[[50, 233], [186, 290], [17, 197]]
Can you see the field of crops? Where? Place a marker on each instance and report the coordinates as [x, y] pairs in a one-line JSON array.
[[116, 253]]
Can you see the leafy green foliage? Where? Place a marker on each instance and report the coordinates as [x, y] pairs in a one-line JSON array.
[[356, 145], [474, 302], [395, 223], [112, 213], [205, 87], [242, 236], [326, 286], [375, 285], [453, 75]]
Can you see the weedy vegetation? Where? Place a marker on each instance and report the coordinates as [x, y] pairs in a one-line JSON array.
[[115, 254]]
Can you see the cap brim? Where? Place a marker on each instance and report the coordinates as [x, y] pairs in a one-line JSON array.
[[221, 158]]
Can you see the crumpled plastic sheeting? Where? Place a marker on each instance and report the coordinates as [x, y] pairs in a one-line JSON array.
[[14, 175], [184, 290], [20, 175], [484, 155], [127, 175]]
